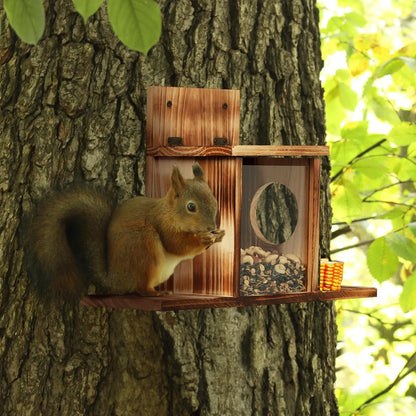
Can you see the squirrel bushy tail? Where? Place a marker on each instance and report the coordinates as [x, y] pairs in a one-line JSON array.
[[66, 245]]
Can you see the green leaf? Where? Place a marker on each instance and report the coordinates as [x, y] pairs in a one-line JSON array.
[[381, 260], [408, 50], [330, 46], [347, 96], [368, 88], [389, 67], [343, 151], [370, 167], [407, 298], [333, 25], [335, 113], [404, 78], [365, 41], [358, 63], [402, 246], [402, 168], [357, 19], [137, 23], [411, 150], [396, 212], [412, 228], [27, 18], [351, 4], [346, 201], [410, 62], [86, 8], [395, 64], [383, 110], [355, 130], [402, 134], [342, 75]]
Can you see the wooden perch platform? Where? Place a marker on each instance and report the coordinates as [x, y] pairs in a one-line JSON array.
[[177, 302]]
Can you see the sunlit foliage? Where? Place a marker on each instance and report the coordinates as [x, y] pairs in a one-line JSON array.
[[369, 48]]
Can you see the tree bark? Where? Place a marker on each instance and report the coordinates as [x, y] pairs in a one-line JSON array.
[[72, 110]]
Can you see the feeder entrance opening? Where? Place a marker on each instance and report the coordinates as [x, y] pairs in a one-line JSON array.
[[279, 199]]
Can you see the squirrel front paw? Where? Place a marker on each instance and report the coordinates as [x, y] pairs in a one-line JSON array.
[[218, 234], [209, 238]]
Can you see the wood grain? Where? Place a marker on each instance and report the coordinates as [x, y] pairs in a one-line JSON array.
[[198, 115], [312, 276], [294, 151], [213, 271], [177, 302], [189, 151]]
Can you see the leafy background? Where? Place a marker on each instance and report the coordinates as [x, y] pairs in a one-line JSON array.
[[369, 79]]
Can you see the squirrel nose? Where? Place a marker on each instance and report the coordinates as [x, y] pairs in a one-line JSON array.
[[212, 227]]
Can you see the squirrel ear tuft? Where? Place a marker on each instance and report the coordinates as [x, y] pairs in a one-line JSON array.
[[198, 172], [177, 181]]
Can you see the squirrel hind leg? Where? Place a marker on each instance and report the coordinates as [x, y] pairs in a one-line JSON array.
[[153, 267], [152, 272], [136, 260]]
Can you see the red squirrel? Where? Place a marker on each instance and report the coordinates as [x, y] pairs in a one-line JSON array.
[[77, 238]]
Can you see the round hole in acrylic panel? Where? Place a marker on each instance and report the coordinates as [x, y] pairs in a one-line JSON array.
[[274, 213]]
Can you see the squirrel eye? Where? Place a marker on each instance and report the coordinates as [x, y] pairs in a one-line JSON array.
[[191, 207]]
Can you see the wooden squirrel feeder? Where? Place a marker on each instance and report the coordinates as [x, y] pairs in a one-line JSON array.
[[268, 200]]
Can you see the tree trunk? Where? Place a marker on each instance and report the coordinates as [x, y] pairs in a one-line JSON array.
[[73, 109]]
